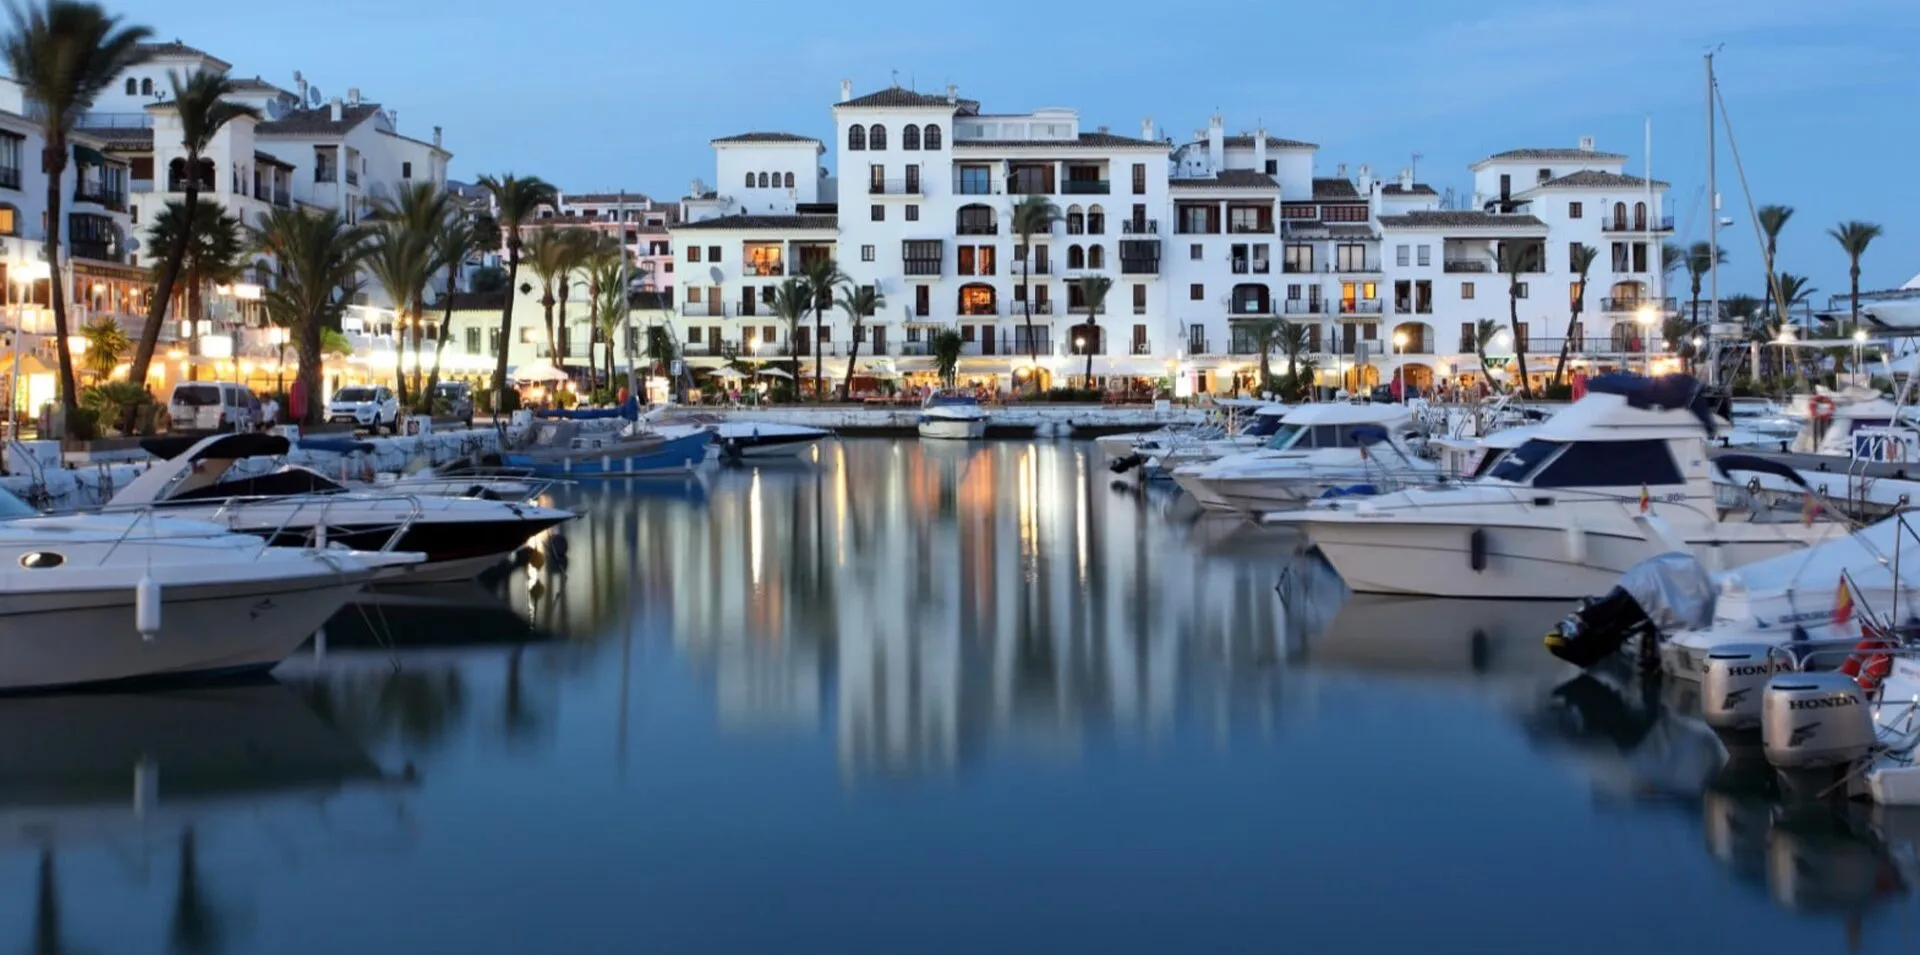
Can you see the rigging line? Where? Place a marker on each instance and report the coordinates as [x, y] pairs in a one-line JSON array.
[[1753, 214]]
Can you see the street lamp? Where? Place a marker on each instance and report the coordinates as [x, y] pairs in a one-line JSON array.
[[1647, 316], [1859, 344], [1399, 365]]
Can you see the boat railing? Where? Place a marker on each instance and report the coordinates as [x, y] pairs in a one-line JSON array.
[[231, 508]]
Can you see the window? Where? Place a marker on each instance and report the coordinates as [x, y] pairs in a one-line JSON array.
[[1520, 338], [763, 180], [1520, 290], [1575, 210], [1076, 257], [1543, 175], [1096, 257], [1469, 339], [1139, 179], [876, 178], [1424, 255], [922, 300], [876, 136], [749, 181], [1400, 255], [1197, 292], [930, 137], [913, 179], [1623, 464], [878, 212], [1139, 299], [789, 179], [1273, 167], [922, 256], [866, 253], [146, 87], [132, 87], [856, 138], [473, 341], [1193, 251], [693, 253], [976, 259], [406, 170], [977, 300], [1466, 291], [913, 213], [910, 137]]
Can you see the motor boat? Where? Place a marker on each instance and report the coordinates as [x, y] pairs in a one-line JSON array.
[[560, 447], [952, 415], [291, 505], [1159, 453], [1759, 423], [1855, 447], [745, 440], [1619, 476], [1318, 448], [103, 598]]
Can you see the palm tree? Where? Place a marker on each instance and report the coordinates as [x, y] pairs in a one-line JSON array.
[[1580, 262], [550, 255], [1484, 332], [1295, 342], [202, 105], [63, 53], [454, 243], [858, 302], [1266, 334], [215, 253], [415, 216], [1854, 237], [1032, 216], [577, 250], [606, 293], [1093, 298], [1772, 220], [822, 279], [316, 262], [1791, 290], [790, 303], [106, 344], [1516, 259], [517, 199], [946, 347], [401, 261], [1699, 262]]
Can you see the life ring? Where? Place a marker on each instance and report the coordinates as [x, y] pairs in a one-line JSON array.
[[1867, 666], [1820, 407]]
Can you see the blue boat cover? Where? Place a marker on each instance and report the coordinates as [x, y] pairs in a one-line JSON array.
[[336, 445], [1662, 392], [629, 411], [1368, 434]]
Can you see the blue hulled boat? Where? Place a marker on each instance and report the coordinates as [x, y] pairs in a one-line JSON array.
[[560, 449]]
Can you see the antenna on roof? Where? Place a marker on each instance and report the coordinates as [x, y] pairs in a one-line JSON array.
[[1414, 168], [896, 79]]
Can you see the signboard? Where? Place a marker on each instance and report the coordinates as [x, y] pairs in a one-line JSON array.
[[1500, 362]]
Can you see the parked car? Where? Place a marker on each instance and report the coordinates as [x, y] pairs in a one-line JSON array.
[[365, 406], [459, 398], [212, 406]]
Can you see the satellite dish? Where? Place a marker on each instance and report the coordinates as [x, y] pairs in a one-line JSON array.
[[715, 274], [313, 96], [133, 245], [276, 108]]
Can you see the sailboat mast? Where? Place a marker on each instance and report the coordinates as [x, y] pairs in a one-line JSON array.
[[626, 301], [1713, 205]]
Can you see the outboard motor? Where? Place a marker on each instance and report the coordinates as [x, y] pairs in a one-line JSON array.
[[1813, 727], [1732, 683], [1662, 594], [1128, 463]]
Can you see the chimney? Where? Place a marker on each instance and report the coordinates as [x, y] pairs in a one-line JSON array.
[[1146, 128], [1102, 130], [1217, 143], [1366, 179], [1586, 144], [1406, 180], [333, 109], [1340, 171], [846, 90], [953, 94], [1260, 149], [353, 96], [436, 137]]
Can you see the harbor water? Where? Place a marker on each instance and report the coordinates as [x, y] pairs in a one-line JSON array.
[[909, 696]]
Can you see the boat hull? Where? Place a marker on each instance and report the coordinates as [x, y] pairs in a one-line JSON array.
[[1201, 490], [953, 429], [87, 637], [674, 456], [1521, 562]]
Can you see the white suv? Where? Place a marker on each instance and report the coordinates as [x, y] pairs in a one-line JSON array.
[[366, 406]]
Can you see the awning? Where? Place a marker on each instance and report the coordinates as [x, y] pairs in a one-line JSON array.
[[88, 155]]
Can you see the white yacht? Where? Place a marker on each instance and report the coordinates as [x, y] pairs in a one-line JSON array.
[[87, 599], [1759, 423], [1229, 416], [745, 440], [1854, 447], [1610, 481], [1159, 453], [952, 415], [292, 505], [1318, 448]]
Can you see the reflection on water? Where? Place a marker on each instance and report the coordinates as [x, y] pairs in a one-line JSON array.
[[687, 726]]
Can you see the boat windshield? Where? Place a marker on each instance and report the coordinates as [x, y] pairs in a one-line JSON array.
[[1522, 461], [1547, 464], [1305, 437], [952, 401], [12, 507]]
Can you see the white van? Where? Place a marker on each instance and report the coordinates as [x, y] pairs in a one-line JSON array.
[[212, 406]]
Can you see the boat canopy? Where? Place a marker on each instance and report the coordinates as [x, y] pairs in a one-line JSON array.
[[1729, 463], [219, 447], [336, 445], [630, 411], [952, 401], [1659, 393]]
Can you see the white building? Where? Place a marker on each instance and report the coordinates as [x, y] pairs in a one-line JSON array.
[[1382, 273]]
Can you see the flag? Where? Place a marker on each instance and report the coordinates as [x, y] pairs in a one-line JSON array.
[[1808, 509], [1842, 604], [1646, 500]]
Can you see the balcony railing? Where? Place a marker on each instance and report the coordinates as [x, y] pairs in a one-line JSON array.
[[320, 174], [976, 187], [895, 187], [704, 309], [100, 196], [1297, 268], [1082, 309], [10, 177], [1188, 228], [1407, 306], [980, 311], [922, 267], [764, 269], [87, 249], [1250, 228], [977, 228], [1139, 265], [1255, 266], [1363, 306], [1140, 348], [1597, 345], [1140, 226], [1197, 346], [1467, 265], [1306, 306], [353, 177], [1085, 187], [1250, 309], [1351, 267], [1420, 344], [1633, 304], [1644, 224], [1028, 187], [179, 184]]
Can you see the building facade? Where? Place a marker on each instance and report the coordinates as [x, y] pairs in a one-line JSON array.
[[1205, 245]]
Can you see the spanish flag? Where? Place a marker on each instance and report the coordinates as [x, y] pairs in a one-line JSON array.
[[1842, 604], [1646, 500]]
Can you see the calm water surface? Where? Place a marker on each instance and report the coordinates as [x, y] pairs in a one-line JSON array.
[[917, 698]]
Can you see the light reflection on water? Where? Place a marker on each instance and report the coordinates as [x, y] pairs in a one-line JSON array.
[[907, 696]]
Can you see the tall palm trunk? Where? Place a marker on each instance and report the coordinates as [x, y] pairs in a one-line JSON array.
[[819, 347], [1093, 332], [506, 333], [560, 325], [1519, 343], [419, 334], [1566, 344], [1026, 306], [853, 355], [54, 160], [446, 328], [308, 348], [169, 275], [546, 305]]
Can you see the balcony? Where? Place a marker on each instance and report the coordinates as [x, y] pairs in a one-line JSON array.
[[1467, 265], [981, 311], [99, 195], [1306, 306], [1139, 265], [1139, 226], [353, 178], [1297, 268], [1250, 228], [91, 249], [926, 268], [179, 183], [1634, 304], [1085, 187], [1140, 348], [1357, 268], [10, 177], [1253, 309], [1028, 186], [976, 186], [764, 269], [705, 309], [1424, 343], [1195, 228], [1367, 306], [1662, 224], [1197, 345], [977, 228], [1596, 345], [1254, 266], [1082, 309], [320, 174], [895, 187]]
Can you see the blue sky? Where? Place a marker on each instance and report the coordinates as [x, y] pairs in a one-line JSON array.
[[595, 95]]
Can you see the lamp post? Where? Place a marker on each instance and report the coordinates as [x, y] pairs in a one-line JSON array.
[[1080, 345], [1399, 365]]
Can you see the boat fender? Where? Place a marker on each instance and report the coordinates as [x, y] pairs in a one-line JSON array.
[[606, 463], [146, 607], [1477, 550], [1576, 545]]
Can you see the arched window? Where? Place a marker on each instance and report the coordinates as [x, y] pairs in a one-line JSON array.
[[876, 136], [1619, 215], [763, 180], [132, 86], [977, 299], [789, 180], [1076, 221], [146, 87], [1076, 257], [910, 137], [975, 219], [1639, 215], [749, 180], [856, 137], [1096, 220], [1096, 257], [931, 138]]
